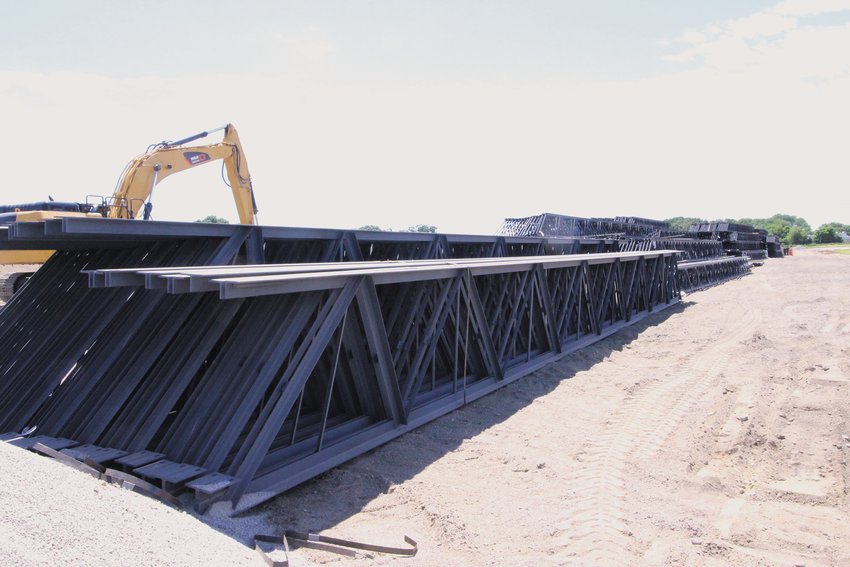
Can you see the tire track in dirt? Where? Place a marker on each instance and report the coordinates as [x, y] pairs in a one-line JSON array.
[[595, 527], [837, 322]]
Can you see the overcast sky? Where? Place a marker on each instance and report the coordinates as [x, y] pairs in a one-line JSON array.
[[454, 113]]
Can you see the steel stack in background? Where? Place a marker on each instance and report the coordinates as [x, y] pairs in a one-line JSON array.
[[704, 258], [774, 247], [737, 239], [550, 224]]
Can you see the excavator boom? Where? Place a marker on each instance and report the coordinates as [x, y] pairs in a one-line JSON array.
[[132, 196], [141, 176]]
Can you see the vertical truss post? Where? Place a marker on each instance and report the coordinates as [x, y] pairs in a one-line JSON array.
[[379, 348]]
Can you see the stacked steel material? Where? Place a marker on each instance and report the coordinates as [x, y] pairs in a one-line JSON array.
[[699, 274], [737, 239], [659, 225], [630, 227], [774, 247], [632, 233], [745, 244], [239, 382], [702, 261], [762, 233], [549, 224], [545, 224], [714, 228], [688, 248], [641, 234]]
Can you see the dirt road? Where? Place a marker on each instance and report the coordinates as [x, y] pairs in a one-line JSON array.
[[714, 433]]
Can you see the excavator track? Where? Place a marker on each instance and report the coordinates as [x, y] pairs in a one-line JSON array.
[[13, 277]]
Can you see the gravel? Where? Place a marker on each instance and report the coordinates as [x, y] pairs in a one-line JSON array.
[[54, 515]]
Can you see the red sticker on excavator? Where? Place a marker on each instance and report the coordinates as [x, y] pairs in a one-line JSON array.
[[194, 158]]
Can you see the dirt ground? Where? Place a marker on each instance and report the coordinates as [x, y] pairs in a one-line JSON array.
[[53, 515], [713, 433]]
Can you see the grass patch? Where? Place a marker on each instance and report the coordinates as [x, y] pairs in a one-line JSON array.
[[830, 245], [844, 251]]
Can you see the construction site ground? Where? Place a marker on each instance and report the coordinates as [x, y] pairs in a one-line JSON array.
[[713, 433]]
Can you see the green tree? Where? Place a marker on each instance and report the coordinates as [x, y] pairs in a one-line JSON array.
[[837, 227], [214, 220], [778, 225], [797, 235], [793, 221], [422, 228], [682, 224], [372, 227], [826, 235]]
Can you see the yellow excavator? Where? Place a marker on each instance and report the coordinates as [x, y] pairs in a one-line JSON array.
[[133, 196]]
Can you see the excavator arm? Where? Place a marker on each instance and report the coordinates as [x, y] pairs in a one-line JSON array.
[[141, 176]]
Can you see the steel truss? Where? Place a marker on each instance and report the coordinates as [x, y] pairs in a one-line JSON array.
[[689, 248], [549, 224], [699, 274], [264, 244], [737, 239], [774, 247], [239, 385]]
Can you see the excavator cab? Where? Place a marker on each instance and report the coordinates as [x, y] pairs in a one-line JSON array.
[[115, 207]]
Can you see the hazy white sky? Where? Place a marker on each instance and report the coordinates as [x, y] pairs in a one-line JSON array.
[[454, 113]]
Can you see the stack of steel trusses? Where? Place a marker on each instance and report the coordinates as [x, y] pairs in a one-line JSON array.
[[688, 248], [549, 224], [697, 274], [737, 239], [774, 247], [141, 346], [702, 261]]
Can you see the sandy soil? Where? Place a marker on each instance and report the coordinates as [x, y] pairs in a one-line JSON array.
[[713, 433], [54, 515]]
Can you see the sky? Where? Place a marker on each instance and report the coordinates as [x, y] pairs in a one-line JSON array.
[[451, 113]]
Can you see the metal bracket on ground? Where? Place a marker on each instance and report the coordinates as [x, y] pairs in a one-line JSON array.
[[326, 543]]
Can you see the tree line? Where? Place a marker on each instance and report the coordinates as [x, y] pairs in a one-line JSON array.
[[415, 228], [791, 230]]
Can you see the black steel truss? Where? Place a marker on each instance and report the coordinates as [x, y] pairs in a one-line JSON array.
[[689, 248], [549, 224], [736, 239], [699, 274], [240, 382], [774, 247], [290, 244]]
